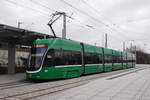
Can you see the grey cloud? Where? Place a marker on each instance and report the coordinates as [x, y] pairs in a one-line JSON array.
[[120, 15]]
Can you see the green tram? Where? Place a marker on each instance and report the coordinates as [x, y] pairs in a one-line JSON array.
[[57, 58]]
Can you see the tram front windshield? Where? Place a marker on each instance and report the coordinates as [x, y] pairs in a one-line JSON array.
[[36, 56]]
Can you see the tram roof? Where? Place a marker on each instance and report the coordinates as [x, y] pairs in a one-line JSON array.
[[19, 36]]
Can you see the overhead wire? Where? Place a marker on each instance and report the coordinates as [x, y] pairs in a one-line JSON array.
[[95, 29], [18, 4], [115, 38], [96, 20], [46, 8], [102, 23], [21, 5], [98, 12], [82, 12], [42, 5], [136, 20]]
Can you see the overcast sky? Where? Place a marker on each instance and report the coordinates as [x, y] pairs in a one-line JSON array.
[[122, 20]]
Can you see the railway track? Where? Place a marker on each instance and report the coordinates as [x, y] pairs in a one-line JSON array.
[[57, 88], [14, 85], [9, 83], [46, 91]]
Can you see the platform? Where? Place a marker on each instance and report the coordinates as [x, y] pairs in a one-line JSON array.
[[127, 85], [132, 86], [12, 78]]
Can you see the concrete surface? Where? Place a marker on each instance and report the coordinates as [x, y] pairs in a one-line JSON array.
[[12, 78], [133, 86]]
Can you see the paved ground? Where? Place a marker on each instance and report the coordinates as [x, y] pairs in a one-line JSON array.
[[21, 76], [133, 86], [12, 78]]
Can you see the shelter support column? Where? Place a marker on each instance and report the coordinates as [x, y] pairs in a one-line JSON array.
[[11, 57]]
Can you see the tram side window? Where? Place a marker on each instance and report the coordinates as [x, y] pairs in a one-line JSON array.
[[49, 59], [77, 58], [129, 59], [58, 58], [92, 58], [72, 57], [124, 59], [108, 58], [132, 59], [68, 58], [62, 57], [88, 58], [116, 59], [96, 58], [100, 58], [120, 59]]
